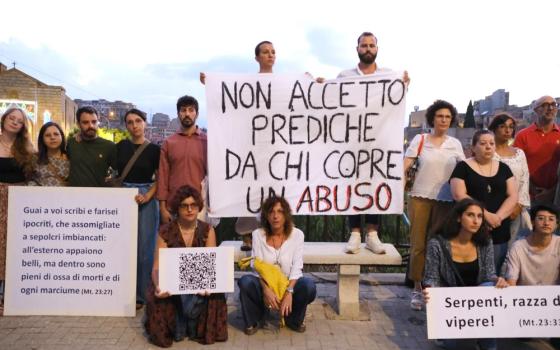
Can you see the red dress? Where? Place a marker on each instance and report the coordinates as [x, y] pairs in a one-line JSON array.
[[160, 313]]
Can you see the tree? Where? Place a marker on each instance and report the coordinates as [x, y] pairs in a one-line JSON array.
[[469, 117]]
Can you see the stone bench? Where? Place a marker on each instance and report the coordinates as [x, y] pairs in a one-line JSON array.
[[332, 253]]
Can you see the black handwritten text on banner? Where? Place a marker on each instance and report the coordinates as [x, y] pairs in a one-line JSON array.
[[331, 148]]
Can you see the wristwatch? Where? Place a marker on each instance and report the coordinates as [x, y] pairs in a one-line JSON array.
[[290, 290]]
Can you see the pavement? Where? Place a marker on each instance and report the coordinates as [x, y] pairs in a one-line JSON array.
[[388, 323]]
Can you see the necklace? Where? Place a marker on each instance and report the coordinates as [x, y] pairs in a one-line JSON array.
[[5, 145], [277, 250], [488, 187], [188, 242]]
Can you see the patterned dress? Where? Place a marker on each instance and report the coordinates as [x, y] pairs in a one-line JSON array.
[[160, 313], [54, 173]]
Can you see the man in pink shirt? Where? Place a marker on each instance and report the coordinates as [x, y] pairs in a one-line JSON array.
[[183, 159]]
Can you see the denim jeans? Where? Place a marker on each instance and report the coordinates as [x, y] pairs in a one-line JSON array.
[[500, 252], [148, 222], [252, 303], [354, 221]]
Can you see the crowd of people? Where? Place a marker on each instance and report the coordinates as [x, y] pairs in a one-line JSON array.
[[488, 219]]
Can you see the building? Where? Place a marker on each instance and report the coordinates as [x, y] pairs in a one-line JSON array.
[[111, 113], [160, 120], [42, 102], [161, 128]]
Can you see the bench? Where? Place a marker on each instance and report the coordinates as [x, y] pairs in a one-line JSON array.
[[332, 253]]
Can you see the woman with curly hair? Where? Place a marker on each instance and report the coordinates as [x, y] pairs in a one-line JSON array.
[[201, 317], [15, 166], [430, 196], [277, 242]]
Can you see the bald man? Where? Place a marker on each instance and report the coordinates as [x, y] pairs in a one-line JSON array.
[[541, 143]]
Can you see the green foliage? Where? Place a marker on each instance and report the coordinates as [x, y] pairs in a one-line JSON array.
[[469, 117], [327, 229]]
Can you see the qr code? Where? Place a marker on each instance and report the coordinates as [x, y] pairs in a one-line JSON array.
[[197, 271]]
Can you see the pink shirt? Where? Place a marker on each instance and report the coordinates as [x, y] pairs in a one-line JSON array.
[[183, 161]]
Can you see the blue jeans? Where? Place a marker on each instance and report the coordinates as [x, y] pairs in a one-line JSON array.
[[148, 222], [500, 252], [252, 303], [485, 343], [354, 221]]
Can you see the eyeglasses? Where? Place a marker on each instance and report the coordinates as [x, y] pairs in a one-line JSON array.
[[551, 105], [188, 206], [542, 218], [15, 120]]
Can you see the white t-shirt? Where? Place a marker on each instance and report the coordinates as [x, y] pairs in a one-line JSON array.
[[289, 257], [435, 167], [356, 72], [532, 268]]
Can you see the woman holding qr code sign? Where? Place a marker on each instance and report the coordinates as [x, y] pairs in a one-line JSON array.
[[279, 243], [202, 317]]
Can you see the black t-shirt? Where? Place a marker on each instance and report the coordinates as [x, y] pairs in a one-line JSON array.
[[468, 272], [491, 191], [145, 166], [10, 171]]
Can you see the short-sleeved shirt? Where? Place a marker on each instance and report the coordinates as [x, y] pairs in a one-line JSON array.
[[543, 154], [89, 161], [183, 161], [435, 166], [490, 190], [530, 267], [356, 72], [144, 167]]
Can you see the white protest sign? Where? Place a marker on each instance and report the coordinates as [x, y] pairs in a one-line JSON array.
[[488, 312], [71, 251], [193, 270], [329, 149]]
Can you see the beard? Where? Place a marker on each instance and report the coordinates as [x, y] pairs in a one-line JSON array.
[[186, 122], [89, 134], [368, 57]]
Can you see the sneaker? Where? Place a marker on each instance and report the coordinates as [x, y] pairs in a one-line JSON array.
[[416, 300], [251, 330], [374, 244], [353, 246]]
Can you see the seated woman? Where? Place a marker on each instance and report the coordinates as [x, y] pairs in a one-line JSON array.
[[203, 317], [51, 166], [277, 242], [461, 255]]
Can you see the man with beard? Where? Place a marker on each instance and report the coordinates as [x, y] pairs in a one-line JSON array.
[[90, 156], [183, 156], [367, 52], [541, 144]]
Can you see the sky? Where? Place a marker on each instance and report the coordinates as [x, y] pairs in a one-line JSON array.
[[151, 52]]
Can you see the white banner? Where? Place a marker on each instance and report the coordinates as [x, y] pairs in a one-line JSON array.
[[329, 149], [488, 312], [194, 270], [71, 251]]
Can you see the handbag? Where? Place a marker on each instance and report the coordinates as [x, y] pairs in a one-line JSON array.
[[118, 181], [411, 172]]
